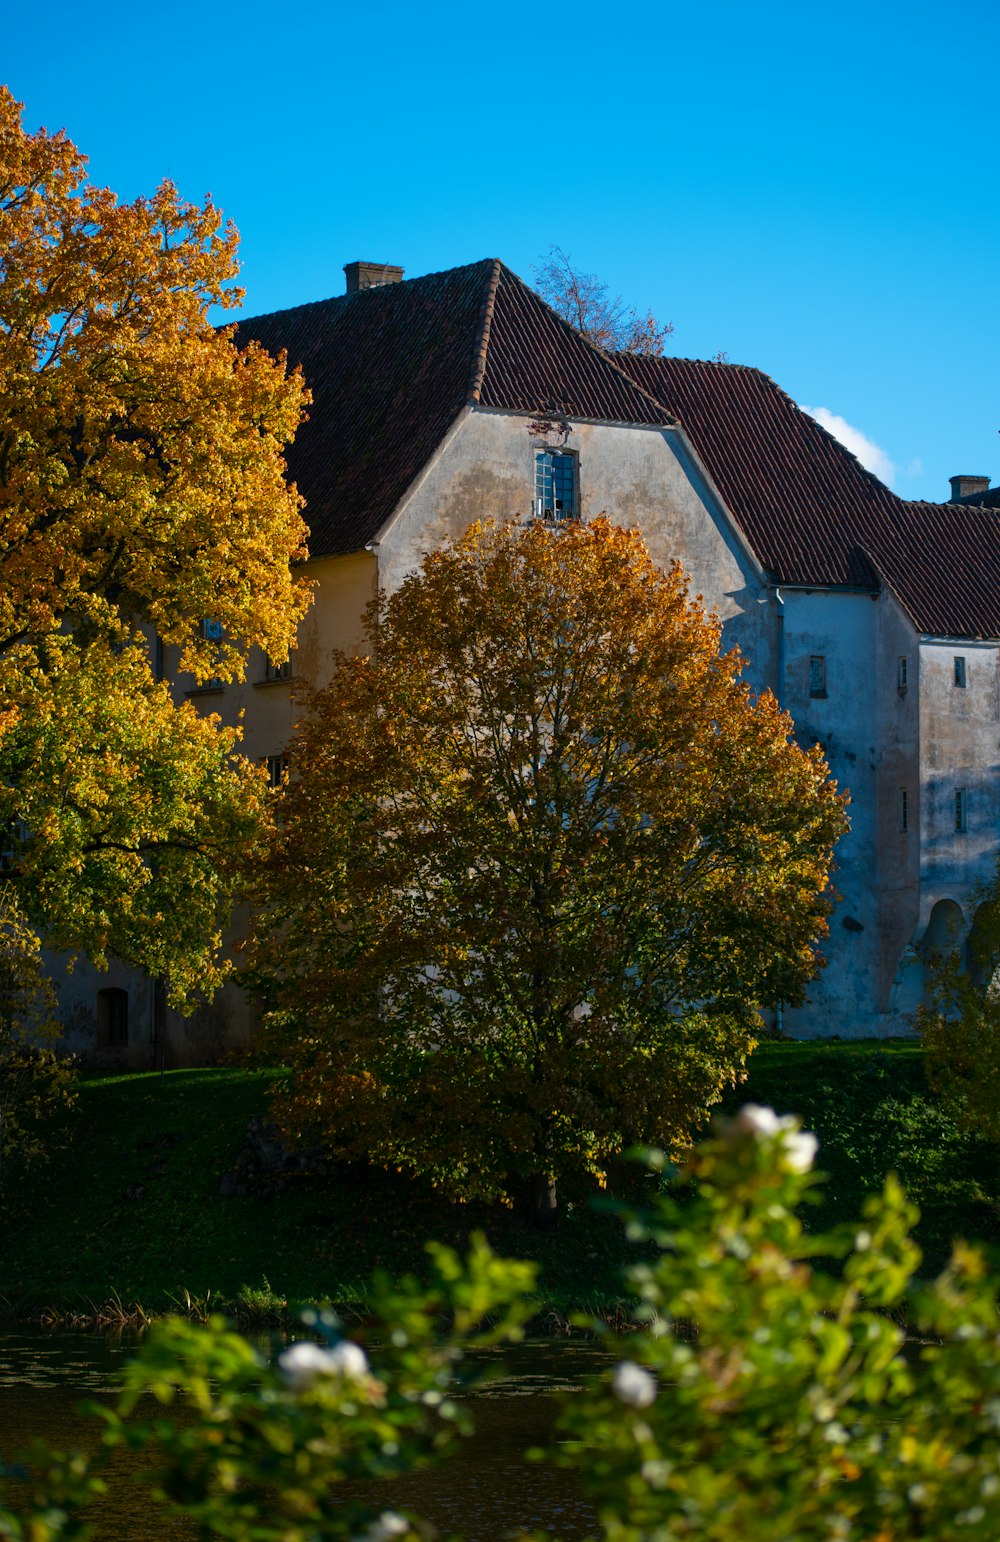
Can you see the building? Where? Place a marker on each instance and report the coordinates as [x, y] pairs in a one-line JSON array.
[[876, 621]]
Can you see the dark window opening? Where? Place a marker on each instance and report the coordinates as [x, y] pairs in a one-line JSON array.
[[274, 671], [960, 671], [961, 809], [112, 1018], [817, 675]]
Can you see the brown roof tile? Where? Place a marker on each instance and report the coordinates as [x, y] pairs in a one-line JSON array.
[[811, 512], [391, 368]]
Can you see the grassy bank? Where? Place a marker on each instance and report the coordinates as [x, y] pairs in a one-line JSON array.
[[132, 1202]]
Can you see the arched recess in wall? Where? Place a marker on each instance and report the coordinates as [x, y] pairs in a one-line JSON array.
[[944, 935], [982, 948], [944, 929]]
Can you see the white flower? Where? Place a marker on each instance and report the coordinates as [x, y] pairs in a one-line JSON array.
[[752, 1119], [797, 1148], [388, 1525], [302, 1363], [632, 1385]]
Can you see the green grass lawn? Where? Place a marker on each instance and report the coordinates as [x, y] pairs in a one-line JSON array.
[[72, 1232]]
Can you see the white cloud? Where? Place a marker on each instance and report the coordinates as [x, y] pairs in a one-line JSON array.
[[871, 455]]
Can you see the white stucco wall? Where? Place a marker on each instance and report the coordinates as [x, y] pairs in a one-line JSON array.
[[959, 748], [638, 477], [842, 629]]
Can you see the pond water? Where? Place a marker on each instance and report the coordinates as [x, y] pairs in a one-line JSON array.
[[484, 1492]]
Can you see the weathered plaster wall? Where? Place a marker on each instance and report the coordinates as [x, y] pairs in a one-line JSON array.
[[959, 748], [898, 850], [841, 629], [343, 588], [641, 477]]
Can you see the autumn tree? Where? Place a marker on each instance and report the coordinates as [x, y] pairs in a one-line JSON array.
[[586, 302], [35, 1082], [142, 490], [542, 858]]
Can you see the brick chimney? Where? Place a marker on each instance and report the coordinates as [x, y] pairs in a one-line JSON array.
[[963, 488], [370, 275]]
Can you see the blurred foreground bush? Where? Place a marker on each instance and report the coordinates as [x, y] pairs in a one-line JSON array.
[[758, 1397]]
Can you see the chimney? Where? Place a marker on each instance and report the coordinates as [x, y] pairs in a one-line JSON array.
[[370, 275], [966, 488]]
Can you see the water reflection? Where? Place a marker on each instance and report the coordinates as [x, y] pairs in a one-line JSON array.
[[484, 1492]]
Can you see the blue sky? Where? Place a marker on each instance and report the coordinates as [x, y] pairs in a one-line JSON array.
[[811, 189]]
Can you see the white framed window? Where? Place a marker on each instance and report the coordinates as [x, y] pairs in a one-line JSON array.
[[557, 484], [960, 671], [817, 674], [277, 771], [903, 810], [961, 808]]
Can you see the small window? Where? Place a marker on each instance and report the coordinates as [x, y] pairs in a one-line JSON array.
[[903, 810], [211, 631], [13, 839], [960, 671], [112, 1019], [901, 674], [817, 675], [274, 671], [556, 484], [277, 771], [961, 808]]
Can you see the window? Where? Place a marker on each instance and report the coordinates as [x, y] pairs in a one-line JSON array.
[[211, 631], [960, 671], [13, 839], [817, 675], [274, 671], [961, 808], [555, 484], [901, 674], [277, 771], [903, 810], [112, 1019]]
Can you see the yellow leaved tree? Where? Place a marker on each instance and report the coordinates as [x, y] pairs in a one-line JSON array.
[[141, 490], [542, 858]]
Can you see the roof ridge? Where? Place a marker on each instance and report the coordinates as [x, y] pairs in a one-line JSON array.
[[604, 354], [483, 332], [635, 384]]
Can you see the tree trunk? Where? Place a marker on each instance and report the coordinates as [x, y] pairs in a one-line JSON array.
[[541, 1200]]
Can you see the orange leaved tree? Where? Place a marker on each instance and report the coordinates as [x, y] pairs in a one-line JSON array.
[[142, 491], [542, 858]]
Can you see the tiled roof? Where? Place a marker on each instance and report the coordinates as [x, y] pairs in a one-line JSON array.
[[391, 368], [811, 512]]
